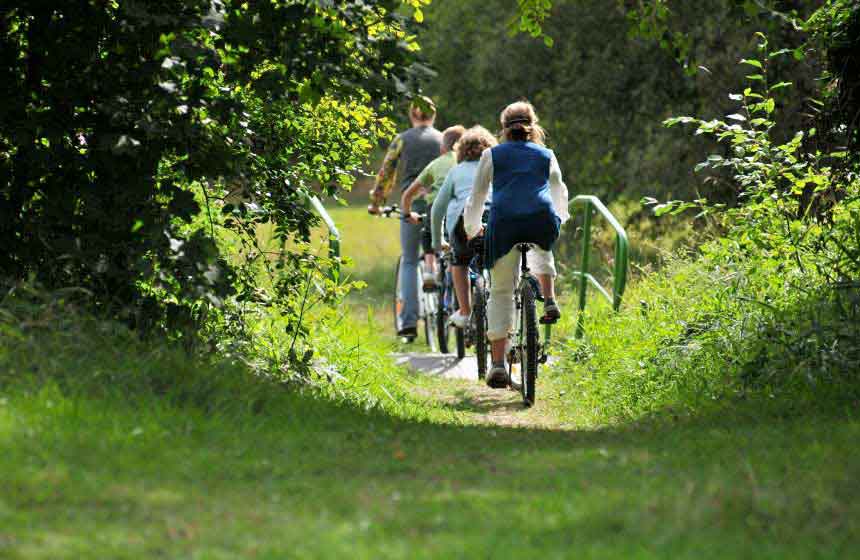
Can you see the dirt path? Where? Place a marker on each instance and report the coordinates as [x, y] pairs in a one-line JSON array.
[[459, 389], [445, 366]]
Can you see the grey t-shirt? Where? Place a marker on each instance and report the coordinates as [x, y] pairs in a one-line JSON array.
[[421, 145]]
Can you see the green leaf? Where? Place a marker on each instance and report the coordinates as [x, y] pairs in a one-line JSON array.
[[769, 106], [781, 85], [752, 62]]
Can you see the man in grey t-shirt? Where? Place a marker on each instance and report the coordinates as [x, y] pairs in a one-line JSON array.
[[408, 154]]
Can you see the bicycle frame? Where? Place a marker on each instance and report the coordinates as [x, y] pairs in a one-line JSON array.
[[526, 276]]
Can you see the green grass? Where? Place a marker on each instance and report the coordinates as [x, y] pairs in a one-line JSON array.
[[639, 445], [372, 244], [116, 449]]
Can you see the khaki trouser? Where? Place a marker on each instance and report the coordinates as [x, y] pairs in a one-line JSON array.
[[505, 274]]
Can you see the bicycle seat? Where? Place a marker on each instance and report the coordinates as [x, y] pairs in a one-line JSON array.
[[524, 247]]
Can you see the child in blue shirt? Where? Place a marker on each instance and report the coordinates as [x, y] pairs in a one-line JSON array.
[[449, 203], [529, 205]]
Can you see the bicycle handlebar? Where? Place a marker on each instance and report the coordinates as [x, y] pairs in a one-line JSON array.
[[387, 211]]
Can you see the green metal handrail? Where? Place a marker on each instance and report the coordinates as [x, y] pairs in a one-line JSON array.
[[333, 236], [622, 251]]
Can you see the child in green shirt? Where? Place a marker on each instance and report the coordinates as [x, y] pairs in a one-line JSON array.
[[425, 187]]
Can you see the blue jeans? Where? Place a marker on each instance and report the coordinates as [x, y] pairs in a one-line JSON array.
[[410, 245]]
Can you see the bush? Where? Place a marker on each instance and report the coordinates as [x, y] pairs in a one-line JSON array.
[[142, 142], [768, 308]]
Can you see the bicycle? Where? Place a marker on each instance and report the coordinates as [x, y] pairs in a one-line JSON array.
[[428, 301], [527, 349], [447, 300], [480, 286]]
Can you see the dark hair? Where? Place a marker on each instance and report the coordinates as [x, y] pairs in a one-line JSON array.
[[452, 135]]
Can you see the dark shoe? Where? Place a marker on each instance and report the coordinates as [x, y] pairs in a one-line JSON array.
[[497, 378], [408, 332], [551, 313]]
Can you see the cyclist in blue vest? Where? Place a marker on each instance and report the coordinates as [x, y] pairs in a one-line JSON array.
[[529, 204]]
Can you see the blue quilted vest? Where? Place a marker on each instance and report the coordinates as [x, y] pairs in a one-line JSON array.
[[521, 210]]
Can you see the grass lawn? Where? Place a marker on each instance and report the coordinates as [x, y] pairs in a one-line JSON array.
[[87, 478], [112, 448], [373, 246], [439, 469]]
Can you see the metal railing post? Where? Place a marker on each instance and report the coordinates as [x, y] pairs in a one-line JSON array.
[[622, 255], [621, 262], [583, 277], [333, 236]]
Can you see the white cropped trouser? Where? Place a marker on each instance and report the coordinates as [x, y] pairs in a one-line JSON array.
[[505, 274]]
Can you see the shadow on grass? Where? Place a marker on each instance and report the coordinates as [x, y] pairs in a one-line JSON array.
[[499, 401], [374, 484]]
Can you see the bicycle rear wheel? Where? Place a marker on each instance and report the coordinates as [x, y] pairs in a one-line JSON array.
[[431, 323], [444, 297], [461, 343], [398, 296], [479, 310], [459, 334], [529, 348]]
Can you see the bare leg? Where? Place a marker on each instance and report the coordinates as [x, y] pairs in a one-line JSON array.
[[461, 286], [430, 262], [497, 349], [547, 285]]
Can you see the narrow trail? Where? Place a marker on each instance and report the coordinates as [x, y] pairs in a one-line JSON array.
[[460, 390]]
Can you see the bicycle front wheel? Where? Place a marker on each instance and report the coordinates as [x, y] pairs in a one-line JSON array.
[[529, 348]]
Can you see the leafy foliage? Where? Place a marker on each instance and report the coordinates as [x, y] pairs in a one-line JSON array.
[[790, 252], [603, 88], [142, 141], [793, 208], [835, 31]]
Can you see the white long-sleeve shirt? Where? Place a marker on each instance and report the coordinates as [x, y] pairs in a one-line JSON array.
[[474, 209]]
